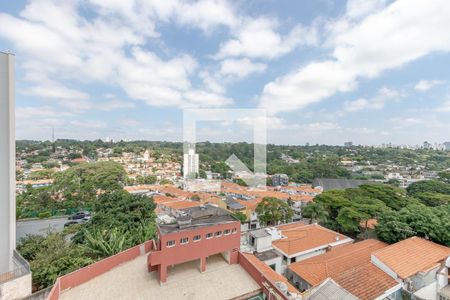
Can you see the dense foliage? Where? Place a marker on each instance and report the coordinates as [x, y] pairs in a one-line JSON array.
[[400, 214], [272, 211], [120, 220]]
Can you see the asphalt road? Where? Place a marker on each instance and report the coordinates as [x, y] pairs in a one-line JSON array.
[[39, 227]]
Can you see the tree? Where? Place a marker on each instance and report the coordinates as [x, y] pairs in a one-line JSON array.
[[240, 216], [444, 176], [349, 219], [315, 212], [433, 186], [272, 211], [127, 213], [51, 257]]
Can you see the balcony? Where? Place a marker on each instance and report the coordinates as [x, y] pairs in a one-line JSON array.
[[21, 268]]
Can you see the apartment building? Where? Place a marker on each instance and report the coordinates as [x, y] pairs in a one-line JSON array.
[[197, 233]]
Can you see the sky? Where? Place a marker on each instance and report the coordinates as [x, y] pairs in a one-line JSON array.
[[324, 71]]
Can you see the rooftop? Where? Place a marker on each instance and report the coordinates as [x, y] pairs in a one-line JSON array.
[[270, 273], [199, 216], [300, 237], [411, 256], [329, 289], [316, 269], [267, 255], [350, 266], [131, 280]]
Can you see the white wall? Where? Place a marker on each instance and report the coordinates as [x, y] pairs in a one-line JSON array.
[[17, 288], [7, 163]]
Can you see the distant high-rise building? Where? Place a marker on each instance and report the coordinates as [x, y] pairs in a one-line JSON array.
[[348, 144], [190, 164], [280, 179], [447, 146], [427, 145]]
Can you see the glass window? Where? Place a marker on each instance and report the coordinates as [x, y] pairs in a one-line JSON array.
[[218, 233], [209, 235], [226, 232], [234, 230], [170, 243], [184, 240], [197, 238]]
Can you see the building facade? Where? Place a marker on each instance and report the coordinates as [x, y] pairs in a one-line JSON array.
[[190, 164], [198, 233]]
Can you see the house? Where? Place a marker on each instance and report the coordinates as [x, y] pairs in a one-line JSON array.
[[421, 266], [198, 233], [301, 241], [350, 267], [293, 242], [280, 180], [329, 289]]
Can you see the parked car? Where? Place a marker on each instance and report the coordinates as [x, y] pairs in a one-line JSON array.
[[80, 215]]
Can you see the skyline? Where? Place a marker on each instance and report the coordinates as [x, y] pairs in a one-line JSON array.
[[327, 71]]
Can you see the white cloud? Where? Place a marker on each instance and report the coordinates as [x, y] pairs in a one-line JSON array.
[[257, 38], [398, 34], [55, 41], [115, 104], [361, 8], [445, 107], [375, 103], [425, 85], [240, 67]]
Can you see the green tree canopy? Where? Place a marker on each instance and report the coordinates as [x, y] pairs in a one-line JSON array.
[[272, 211]]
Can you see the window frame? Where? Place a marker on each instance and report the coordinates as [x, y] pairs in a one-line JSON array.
[[218, 233], [199, 238], [171, 246], [184, 238], [209, 237], [227, 232]]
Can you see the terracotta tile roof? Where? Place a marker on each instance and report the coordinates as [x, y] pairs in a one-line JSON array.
[[181, 204], [250, 204], [316, 269], [411, 256], [350, 267], [160, 199], [269, 272], [300, 237], [366, 281], [303, 198]]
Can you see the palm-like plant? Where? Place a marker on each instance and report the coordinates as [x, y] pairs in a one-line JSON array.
[[315, 212], [105, 243]]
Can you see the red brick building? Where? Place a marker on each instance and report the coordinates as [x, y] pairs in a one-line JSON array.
[[198, 233]]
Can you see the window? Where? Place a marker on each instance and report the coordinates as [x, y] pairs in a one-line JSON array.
[[226, 232], [209, 235], [292, 260], [184, 240], [218, 233], [234, 230], [170, 244], [197, 238]]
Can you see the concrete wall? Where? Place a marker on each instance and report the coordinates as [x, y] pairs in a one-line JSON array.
[[87, 273], [16, 288], [260, 278], [7, 163]]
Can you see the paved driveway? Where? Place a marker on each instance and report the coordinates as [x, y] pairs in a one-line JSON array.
[[39, 227]]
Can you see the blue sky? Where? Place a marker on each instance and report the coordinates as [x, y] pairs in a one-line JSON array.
[[367, 71]]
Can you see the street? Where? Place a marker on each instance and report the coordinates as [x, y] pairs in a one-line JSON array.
[[39, 226]]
